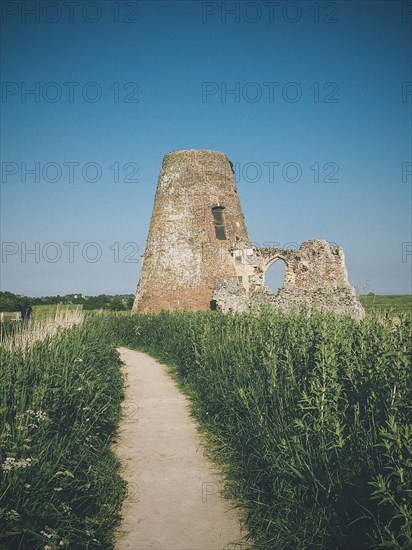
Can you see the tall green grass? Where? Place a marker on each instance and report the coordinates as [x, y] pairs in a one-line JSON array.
[[59, 406], [311, 415], [18, 334]]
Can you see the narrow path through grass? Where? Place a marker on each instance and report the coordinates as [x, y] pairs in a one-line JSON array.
[[174, 501]]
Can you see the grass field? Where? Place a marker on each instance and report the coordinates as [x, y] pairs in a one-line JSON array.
[[59, 407], [311, 417], [395, 303], [46, 322], [40, 312]]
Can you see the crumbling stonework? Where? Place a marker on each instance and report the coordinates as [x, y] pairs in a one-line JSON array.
[[198, 253], [231, 296], [315, 276]]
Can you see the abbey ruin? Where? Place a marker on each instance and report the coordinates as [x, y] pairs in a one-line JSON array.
[[199, 256]]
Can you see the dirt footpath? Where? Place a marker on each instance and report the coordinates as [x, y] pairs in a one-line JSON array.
[[174, 501]]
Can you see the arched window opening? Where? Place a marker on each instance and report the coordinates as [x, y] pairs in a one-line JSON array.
[[218, 218], [275, 276]]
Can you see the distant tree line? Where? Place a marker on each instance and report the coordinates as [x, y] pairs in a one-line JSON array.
[[119, 302]]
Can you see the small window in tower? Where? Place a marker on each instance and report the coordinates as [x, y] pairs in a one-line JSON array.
[[217, 212]]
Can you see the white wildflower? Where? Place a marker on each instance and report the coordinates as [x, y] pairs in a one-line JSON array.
[[41, 415], [67, 509], [13, 515], [11, 463]]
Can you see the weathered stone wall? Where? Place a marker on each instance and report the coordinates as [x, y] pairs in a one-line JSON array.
[[231, 296], [315, 277], [183, 258], [186, 265]]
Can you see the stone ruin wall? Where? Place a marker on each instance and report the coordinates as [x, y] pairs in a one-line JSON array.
[[186, 266], [315, 277]]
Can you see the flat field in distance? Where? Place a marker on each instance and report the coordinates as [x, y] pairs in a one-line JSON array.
[[401, 303], [41, 312], [397, 303]]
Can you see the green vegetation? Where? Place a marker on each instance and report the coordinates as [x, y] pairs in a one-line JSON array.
[[59, 406], [41, 313], [395, 303], [311, 415], [10, 302]]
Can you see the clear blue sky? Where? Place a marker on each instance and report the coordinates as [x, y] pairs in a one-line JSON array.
[[310, 98]]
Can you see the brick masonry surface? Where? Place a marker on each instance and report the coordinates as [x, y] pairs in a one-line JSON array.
[[191, 264]]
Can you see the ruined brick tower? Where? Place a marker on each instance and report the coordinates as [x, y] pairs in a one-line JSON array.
[[198, 254], [196, 220]]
